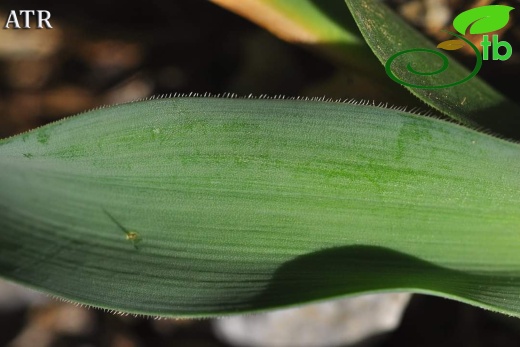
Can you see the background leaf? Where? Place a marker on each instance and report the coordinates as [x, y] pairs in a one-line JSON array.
[[324, 27], [238, 212], [309, 23], [473, 103]]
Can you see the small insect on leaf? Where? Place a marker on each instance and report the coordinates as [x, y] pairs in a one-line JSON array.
[[132, 236], [451, 45]]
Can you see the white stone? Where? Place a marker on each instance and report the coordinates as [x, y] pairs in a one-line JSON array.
[[333, 323], [14, 296]]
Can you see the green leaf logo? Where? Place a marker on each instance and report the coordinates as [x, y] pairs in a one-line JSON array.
[[483, 19]]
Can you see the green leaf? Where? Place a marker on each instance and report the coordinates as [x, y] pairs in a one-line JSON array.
[[482, 19], [473, 103], [244, 205], [324, 25]]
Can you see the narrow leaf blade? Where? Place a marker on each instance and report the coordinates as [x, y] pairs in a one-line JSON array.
[[473, 103], [322, 25], [326, 28]]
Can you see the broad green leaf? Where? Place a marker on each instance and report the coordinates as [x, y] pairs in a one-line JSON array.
[[482, 20], [244, 205], [473, 103]]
